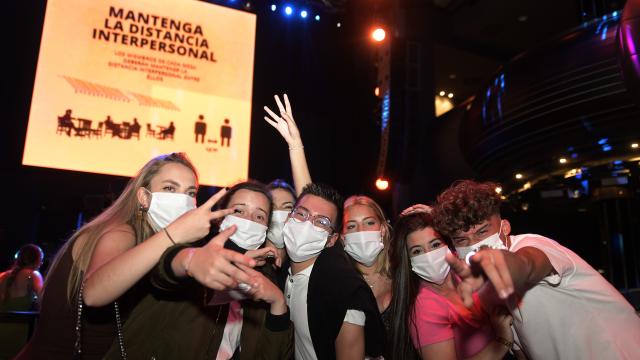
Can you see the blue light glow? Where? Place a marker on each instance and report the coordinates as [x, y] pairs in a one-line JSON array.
[[273, 8], [606, 147], [384, 118], [303, 14], [603, 141], [615, 13], [317, 17], [288, 10]]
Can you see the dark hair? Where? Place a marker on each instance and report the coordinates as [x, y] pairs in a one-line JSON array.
[[329, 194], [251, 185], [281, 184], [465, 204], [29, 255], [406, 285]]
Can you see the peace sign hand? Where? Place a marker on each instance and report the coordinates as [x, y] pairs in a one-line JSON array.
[[195, 224], [285, 124]]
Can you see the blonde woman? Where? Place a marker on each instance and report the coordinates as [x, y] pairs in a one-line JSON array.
[[109, 256], [366, 234]]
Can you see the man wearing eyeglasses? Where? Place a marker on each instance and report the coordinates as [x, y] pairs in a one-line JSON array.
[[333, 311]]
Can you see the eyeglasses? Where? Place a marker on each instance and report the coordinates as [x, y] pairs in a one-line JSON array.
[[301, 214]]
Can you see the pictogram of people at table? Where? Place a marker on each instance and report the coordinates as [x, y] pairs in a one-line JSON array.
[[71, 125]]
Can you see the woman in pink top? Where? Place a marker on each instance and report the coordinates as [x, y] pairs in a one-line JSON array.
[[429, 319]]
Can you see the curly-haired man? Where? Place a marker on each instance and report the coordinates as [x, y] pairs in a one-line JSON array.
[[562, 308]]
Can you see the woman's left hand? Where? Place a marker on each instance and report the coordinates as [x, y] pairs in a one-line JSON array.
[[285, 124], [265, 290], [261, 255]]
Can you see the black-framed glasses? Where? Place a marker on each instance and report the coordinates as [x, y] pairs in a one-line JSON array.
[[301, 214]]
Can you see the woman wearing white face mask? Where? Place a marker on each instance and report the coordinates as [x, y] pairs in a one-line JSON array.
[[186, 320], [430, 319], [284, 197], [365, 235], [112, 253]]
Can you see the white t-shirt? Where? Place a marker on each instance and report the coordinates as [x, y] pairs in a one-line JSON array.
[[574, 314], [296, 289]]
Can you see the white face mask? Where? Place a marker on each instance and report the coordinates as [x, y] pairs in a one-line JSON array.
[[431, 266], [364, 246], [278, 218], [303, 240], [493, 242], [166, 207], [249, 234]]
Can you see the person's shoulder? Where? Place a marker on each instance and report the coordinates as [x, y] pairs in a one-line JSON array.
[[428, 304], [121, 228], [119, 235], [27, 273], [531, 240], [335, 271]]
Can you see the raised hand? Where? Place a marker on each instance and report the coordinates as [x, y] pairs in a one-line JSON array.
[[216, 267], [285, 124], [195, 224], [489, 263], [417, 208]]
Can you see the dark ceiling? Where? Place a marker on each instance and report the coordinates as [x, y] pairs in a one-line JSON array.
[[474, 37]]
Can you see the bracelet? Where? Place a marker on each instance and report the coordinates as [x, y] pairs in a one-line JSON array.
[[504, 342], [187, 262], [296, 147], [169, 236]]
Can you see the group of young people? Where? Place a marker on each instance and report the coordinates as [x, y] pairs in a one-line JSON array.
[[272, 272]]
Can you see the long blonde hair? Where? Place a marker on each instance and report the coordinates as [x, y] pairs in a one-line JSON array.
[[126, 209], [382, 261]]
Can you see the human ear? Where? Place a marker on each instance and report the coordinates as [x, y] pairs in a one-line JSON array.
[[506, 227], [144, 197]]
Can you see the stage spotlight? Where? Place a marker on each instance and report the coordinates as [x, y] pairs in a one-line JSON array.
[[382, 184], [378, 34], [442, 93], [303, 14], [338, 25], [288, 10], [634, 145], [562, 160], [273, 8], [498, 190], [450, 96], [376, 91], [518, 176], [317, 17]]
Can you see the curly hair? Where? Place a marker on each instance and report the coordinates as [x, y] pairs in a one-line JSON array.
[[465, 204]]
